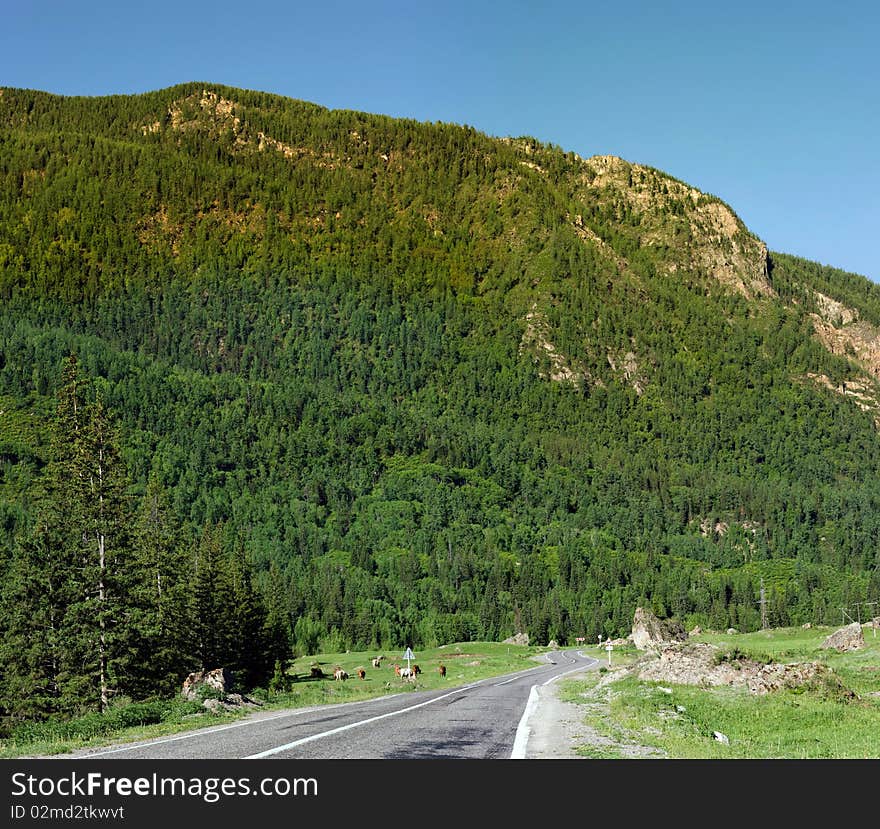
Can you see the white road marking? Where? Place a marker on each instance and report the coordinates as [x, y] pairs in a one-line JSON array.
[[269, 752], [523, 731], [506, 681], [200, 733], [564, 673]]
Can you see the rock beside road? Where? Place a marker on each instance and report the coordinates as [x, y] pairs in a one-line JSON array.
[[650, 633], [218, 681], [214, 688], [706, 665]]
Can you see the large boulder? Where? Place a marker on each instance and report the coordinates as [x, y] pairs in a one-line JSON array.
[[215, 690], [217, 682], [847, 638], [518, 639], [650, 633]]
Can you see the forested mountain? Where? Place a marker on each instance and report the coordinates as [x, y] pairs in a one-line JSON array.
[[278, 377]]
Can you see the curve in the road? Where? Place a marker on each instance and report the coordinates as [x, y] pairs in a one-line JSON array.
[[524, 730], [485, 719]]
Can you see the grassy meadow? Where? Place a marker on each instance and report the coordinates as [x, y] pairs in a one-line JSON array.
[[129, 721], [679, 721]]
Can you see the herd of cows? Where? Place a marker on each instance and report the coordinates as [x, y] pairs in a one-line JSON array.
[[409, 673]]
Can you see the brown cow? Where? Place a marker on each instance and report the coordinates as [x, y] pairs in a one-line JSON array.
[[442, 670], [361, 673]]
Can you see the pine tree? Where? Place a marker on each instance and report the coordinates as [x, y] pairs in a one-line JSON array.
[[278, 629], [249, 654], [66, 600], [210, 603], [159, 602], [32, 604], [96, 523]]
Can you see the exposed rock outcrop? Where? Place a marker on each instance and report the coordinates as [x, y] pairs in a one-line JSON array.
[[218, 681], [689, 664], [650, 633], [214, 688], [706, 665], [517, 639], [849, 638]]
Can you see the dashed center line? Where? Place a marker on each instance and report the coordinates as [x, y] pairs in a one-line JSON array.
[[278, 749]]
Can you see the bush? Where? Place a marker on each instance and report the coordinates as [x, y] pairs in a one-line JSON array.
[[134, 714], [124, 714], [281, 681]]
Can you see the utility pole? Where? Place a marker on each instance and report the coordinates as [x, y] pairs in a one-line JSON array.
[[763, 603]]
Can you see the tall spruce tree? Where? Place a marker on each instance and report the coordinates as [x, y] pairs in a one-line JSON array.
[[32, 603], [67, 600], [90, 488], [249, 652], [211, 603], [160, 598]]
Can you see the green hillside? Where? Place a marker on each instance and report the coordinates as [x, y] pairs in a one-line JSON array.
[[364, 382]]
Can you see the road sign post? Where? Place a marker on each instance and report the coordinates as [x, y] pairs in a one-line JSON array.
[[608, 648], [408, 655]]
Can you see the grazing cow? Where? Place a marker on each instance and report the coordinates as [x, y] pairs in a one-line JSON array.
[[361, 673], [316, 672], [442, 670], [416, 670], [340, 674], [397, 670], [377, 662]]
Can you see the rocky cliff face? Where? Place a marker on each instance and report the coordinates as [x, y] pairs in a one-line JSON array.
[[686, 229]]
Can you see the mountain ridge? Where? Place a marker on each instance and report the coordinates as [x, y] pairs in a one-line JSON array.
[[441, 385]]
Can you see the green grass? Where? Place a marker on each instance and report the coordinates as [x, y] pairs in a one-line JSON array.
[[815, 722], [131, 722]]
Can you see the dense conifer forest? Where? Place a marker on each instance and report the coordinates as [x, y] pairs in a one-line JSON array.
[[276, 378]]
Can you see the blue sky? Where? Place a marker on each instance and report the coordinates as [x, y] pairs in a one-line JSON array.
[[772, 106]]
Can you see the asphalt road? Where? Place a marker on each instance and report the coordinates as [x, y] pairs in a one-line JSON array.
[[483, 720]]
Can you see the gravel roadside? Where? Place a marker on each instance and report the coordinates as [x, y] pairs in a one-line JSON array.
[[556, 727]]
